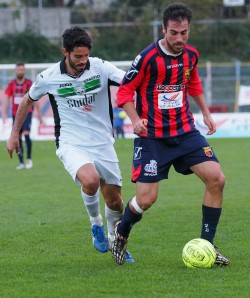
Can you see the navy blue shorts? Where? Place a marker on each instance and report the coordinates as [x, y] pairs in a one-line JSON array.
[[153, 157], [27, 123]]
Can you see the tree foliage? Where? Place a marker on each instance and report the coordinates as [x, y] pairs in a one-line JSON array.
[[124, 42], [133, 29], [28, 47], [216, 42], [223, 41], [215, 38], [48, 3]]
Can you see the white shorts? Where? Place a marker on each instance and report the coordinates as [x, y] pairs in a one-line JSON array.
[[104, 160]]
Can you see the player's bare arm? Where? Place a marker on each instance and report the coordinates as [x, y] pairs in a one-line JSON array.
[[207, 118], [39, 112], [139, 125], [22, 111], [5, 108]]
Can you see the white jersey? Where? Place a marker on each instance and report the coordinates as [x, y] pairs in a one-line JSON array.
[[81, 105]]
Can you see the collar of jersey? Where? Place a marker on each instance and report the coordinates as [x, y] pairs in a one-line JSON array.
[[64, 71]]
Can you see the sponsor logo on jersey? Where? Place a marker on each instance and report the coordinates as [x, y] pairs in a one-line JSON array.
[[96, 77], [170, 88], [137, 59], [84, 102], [167, 98], [65, 85], [87, 108], [177, 65], [208, 151], [151, 168], [131, 73], [171, 100], [88, 85]]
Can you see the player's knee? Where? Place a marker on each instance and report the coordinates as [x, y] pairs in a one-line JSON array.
[[146, 202], [115, 204], [90, 185], [217, 182], [220, 181]]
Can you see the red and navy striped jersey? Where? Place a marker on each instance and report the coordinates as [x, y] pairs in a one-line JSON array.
[[162, 83], [16, 92]]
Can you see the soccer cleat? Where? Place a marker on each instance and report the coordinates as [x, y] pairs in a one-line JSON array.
[[220, 260], [20, 166], [29, 164], [128, 258], [119, 248], [100, 239]]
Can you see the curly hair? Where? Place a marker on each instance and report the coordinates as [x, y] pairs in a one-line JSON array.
[[76, 37], [176, 12]]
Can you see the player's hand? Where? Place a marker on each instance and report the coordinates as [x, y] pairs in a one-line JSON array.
[[41, 122], [208, 120], [13, 144], [140, 127]]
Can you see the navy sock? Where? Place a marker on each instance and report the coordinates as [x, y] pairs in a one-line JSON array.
[[210, 221], [128, 220], [28, 146], [20, 154]]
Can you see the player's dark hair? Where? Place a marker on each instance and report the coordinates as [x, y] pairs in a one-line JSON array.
[[19, 64], [76, 37], [176, 12]]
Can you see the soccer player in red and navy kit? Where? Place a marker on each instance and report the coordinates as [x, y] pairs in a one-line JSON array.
[[14, 93], [163, 75]]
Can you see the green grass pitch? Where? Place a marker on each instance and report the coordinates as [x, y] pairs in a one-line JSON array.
[[46, 246]]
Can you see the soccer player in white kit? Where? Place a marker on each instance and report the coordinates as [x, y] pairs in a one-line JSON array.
[[78, 89]]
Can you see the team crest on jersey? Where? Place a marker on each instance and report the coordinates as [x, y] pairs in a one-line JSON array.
[[208, 151], [80, 89], [187, 74], [151, 168]]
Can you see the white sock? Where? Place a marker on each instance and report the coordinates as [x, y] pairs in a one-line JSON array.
[[92, 204], [112, 218]]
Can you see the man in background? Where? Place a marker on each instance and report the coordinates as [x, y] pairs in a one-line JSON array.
[[118, 121], [14, 94]]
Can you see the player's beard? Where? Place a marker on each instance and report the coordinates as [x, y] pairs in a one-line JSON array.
[[175, 48], [78, 68], [20, 76]]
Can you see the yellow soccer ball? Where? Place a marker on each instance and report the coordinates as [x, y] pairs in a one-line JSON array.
[[198, 253], [122, 115]]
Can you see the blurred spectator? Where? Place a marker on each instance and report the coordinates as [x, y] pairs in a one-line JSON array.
[[14, 92], [118, 122]]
